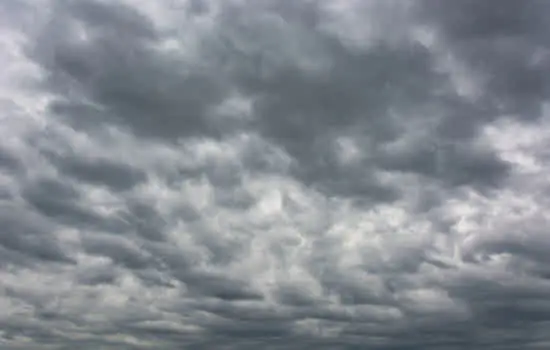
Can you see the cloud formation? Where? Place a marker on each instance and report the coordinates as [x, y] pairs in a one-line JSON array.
[[274, 174]]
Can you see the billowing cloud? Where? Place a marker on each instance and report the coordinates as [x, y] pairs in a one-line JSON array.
[[274, 174]]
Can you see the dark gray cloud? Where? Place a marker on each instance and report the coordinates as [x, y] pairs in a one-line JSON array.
[[504, 43], [119, 69], [133, 85], [8, 162], [116, 176], [61, 202], [274, 174], [31, 237]]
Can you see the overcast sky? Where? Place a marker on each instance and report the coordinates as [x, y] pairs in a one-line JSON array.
[[274, 174]]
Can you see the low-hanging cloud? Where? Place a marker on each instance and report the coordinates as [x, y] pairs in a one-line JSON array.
[[274, 174]]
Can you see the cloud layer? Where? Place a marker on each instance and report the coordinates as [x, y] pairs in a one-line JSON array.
[[274, 174]]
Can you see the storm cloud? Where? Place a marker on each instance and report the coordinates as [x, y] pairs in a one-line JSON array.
[[274, 174]]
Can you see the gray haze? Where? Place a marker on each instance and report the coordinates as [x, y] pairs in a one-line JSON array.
[[274, 174]]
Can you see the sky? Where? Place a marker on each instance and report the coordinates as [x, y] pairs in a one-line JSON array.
[[274, 174]]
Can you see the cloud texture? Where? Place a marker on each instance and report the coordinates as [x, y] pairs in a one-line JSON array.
[[274, 174]]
